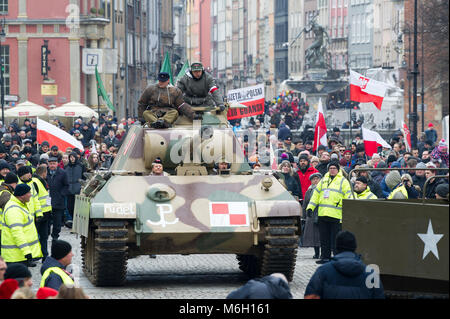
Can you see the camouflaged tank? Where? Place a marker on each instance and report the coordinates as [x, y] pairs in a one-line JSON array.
[[126, 212]]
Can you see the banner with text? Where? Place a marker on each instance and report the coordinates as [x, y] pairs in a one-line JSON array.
[[252, 97]]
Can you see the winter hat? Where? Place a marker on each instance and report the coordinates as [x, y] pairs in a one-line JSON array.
[[430, 125], [362, 179], [315, 175], [60, 249], [421, 165], [393, 179], [396, 165], [17, 271], [381, 164], [333, 163], [44, 157], [22, 171], [21, 190], [45, 292], [8, 287], [334, 156], [345, 241], [157, 161], [11, 178], [284, 156], [442, 190], [303, 157], [442, 145], [391, 158], [4, 164]]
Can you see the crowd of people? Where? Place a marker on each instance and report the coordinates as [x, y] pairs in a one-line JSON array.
[[39, 183]]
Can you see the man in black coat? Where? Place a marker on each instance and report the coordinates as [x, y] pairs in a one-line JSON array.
[[345, 276], [58, 185]]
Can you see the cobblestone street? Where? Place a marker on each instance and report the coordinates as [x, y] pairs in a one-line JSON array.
[[179, 277]]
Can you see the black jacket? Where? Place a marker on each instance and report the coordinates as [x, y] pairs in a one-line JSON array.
[[431, 188], [75, 172], [292, 183], [344, 277], [58, 185], [268, 287], [53, 280], [322, 167]]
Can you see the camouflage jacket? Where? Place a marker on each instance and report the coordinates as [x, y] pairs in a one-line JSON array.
[[199, 92], [153, 95]]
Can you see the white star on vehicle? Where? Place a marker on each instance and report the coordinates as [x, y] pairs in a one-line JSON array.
[[430, 240]]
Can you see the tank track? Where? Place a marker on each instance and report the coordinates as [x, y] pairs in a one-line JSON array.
[[104, 253], [277, 254]]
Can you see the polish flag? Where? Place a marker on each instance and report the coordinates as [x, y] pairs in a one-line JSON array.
[[55, 136], [228, 214], [407, 135], [365, 90], [373, 140], [320, 133]]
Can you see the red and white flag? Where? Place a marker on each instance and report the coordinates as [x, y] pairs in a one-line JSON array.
[[365, 90], [407, 136], [373, 140], [55, 136], [228, 214], [320, 132]]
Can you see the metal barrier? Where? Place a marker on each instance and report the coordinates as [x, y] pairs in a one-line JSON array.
[[396, 169]]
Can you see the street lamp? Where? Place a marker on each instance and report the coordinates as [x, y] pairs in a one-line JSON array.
[[2, 68]]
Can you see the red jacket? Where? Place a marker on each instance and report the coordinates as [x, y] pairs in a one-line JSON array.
[[304, 178]]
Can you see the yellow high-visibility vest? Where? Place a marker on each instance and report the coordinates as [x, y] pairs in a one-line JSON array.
[[43, 196], [66, 279], [19, 234], [328, 196]]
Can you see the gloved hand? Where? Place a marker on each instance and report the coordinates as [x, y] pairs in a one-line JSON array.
[[309, 213], [222, 108], [30, 262]]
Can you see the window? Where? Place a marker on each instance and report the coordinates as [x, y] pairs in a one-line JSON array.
[[3, 6], [4, 55]]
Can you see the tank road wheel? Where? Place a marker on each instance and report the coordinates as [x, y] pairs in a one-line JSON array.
[[277, 254], [104, 253]]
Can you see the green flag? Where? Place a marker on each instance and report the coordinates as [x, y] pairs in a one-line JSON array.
[[166, 67], [102, 92], [182, 71]]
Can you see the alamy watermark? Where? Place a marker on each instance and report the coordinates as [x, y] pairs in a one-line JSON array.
[[73, 19], [373, 277]]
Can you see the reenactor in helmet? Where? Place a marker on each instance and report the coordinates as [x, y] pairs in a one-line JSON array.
[[160, 104], [199, 88]]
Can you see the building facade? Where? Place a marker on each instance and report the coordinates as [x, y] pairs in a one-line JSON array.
[[338, 33], [281, 40], [30, 25], [361, 38]]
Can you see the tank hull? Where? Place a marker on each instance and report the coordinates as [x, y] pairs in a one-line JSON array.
[[407, 240]]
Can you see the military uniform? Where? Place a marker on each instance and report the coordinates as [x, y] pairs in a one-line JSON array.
[[159, 106], [198, 92]]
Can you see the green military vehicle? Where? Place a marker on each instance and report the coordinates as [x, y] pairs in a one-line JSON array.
[[126, 212], [406, 240]]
